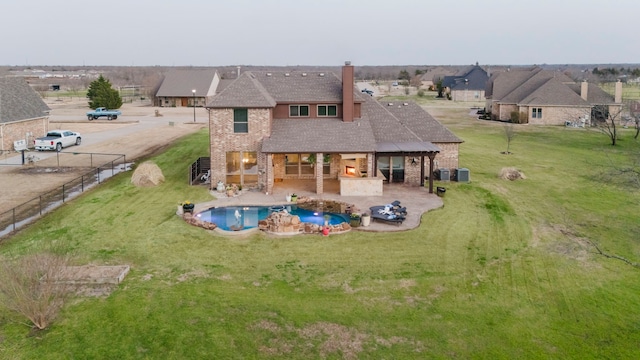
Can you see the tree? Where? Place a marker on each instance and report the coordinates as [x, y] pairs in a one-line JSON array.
[[605, 120], [509, 133], [31, 286], [102, 94]]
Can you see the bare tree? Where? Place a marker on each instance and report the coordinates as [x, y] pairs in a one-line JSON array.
[[606, 119], [509, 133], [30, 286]]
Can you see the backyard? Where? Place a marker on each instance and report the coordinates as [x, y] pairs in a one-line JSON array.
[[506, 269]]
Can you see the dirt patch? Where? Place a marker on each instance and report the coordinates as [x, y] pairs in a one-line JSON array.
[[23, 183], [324, 338]]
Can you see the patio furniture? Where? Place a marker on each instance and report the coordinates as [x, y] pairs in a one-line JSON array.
[[387, 213]]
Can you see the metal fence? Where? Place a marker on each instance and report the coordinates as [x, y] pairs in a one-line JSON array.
[[33, 209]]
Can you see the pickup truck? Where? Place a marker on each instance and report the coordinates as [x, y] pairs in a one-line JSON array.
[[101, 111], [57, 139]]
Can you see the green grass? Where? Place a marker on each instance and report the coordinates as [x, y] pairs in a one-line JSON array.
[[503, 270]]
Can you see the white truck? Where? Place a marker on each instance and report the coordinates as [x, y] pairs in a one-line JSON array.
[[57, 139]]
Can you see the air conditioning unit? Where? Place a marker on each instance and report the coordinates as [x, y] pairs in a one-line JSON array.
[[462, 175], [443, 174]]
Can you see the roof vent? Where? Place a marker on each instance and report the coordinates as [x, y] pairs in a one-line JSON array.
[[390, 104], [321, 74], [286, 74], [268, 74], [304, 74], [405, 104]]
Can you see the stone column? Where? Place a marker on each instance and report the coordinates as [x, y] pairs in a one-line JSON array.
[[319, 175]]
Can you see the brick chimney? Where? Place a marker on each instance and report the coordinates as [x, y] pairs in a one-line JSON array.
[[618, 92], [347, 91], [584, 89]]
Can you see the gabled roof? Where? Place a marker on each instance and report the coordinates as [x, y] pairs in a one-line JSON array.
[[473, 79], [245, 91], [542, 87], [18, 101], [408, 129], [181, 83]]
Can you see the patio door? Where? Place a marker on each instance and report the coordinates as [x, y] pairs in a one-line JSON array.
[[392, 167]]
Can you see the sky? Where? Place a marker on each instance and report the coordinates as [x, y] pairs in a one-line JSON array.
[[320, 32]]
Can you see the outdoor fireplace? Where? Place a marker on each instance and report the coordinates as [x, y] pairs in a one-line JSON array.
[[350, 170]]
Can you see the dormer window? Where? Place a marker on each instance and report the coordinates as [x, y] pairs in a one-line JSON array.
[[298, 110], [327, 110]]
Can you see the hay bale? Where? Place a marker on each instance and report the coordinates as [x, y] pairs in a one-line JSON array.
[[147, 174], [511, 173]]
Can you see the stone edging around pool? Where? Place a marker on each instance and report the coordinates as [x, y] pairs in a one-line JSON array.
[[278, 225]]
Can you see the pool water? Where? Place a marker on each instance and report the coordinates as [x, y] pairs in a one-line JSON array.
[[232, 218]]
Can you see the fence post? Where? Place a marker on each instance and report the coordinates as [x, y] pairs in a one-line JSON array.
[[82, 183], [63, 185], [13, 222]]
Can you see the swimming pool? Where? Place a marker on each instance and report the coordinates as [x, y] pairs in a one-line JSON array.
[[232, 218]]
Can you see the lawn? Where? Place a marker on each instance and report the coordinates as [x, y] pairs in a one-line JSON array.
[[504, 270]]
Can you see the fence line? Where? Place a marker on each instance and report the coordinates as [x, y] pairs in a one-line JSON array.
[[27, 212]]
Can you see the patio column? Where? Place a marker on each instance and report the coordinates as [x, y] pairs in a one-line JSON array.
[[431, 156], [269, 173], [319, 175]]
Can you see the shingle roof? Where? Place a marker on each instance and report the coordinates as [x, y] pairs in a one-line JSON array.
[[474, 78], [245, 91], [543, 87], [18, 101], [182, 82], [319, 135], [413, 119], [409, 127]]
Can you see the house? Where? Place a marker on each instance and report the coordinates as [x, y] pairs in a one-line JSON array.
[[430, 77], [544, 97], [186, 87], [469, 85], [268, 127], [23, 114]]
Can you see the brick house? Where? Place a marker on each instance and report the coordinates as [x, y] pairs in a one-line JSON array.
[[543, 97], [267, 127], [23, 113], [177, 88]]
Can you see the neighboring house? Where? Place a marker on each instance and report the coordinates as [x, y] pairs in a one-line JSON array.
[[177, 88], [544, 97], [469, 85], [23, 114], [430, 77], [268, 127]]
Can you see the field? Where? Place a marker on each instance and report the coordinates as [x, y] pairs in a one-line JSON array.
[[506, 269]]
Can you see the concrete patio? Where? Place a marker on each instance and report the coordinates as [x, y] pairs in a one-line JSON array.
[[416, 199]]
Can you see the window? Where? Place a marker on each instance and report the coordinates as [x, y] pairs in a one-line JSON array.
[[298, 110], [328, 110], [242, 167], [536, 113], [240, 121]]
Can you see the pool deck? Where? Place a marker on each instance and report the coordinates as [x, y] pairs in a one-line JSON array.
[[416, 199]]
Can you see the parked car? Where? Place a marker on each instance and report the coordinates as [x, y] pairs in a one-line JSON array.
[[395, 83], [57, 139], [365, 90]]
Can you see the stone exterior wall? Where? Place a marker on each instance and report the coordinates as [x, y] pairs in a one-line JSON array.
[[22, 130], [223, 139]]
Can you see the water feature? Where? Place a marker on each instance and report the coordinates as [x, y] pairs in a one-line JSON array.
[[233, 218]]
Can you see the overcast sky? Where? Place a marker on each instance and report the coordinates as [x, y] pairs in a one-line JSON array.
[[318, 32]]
